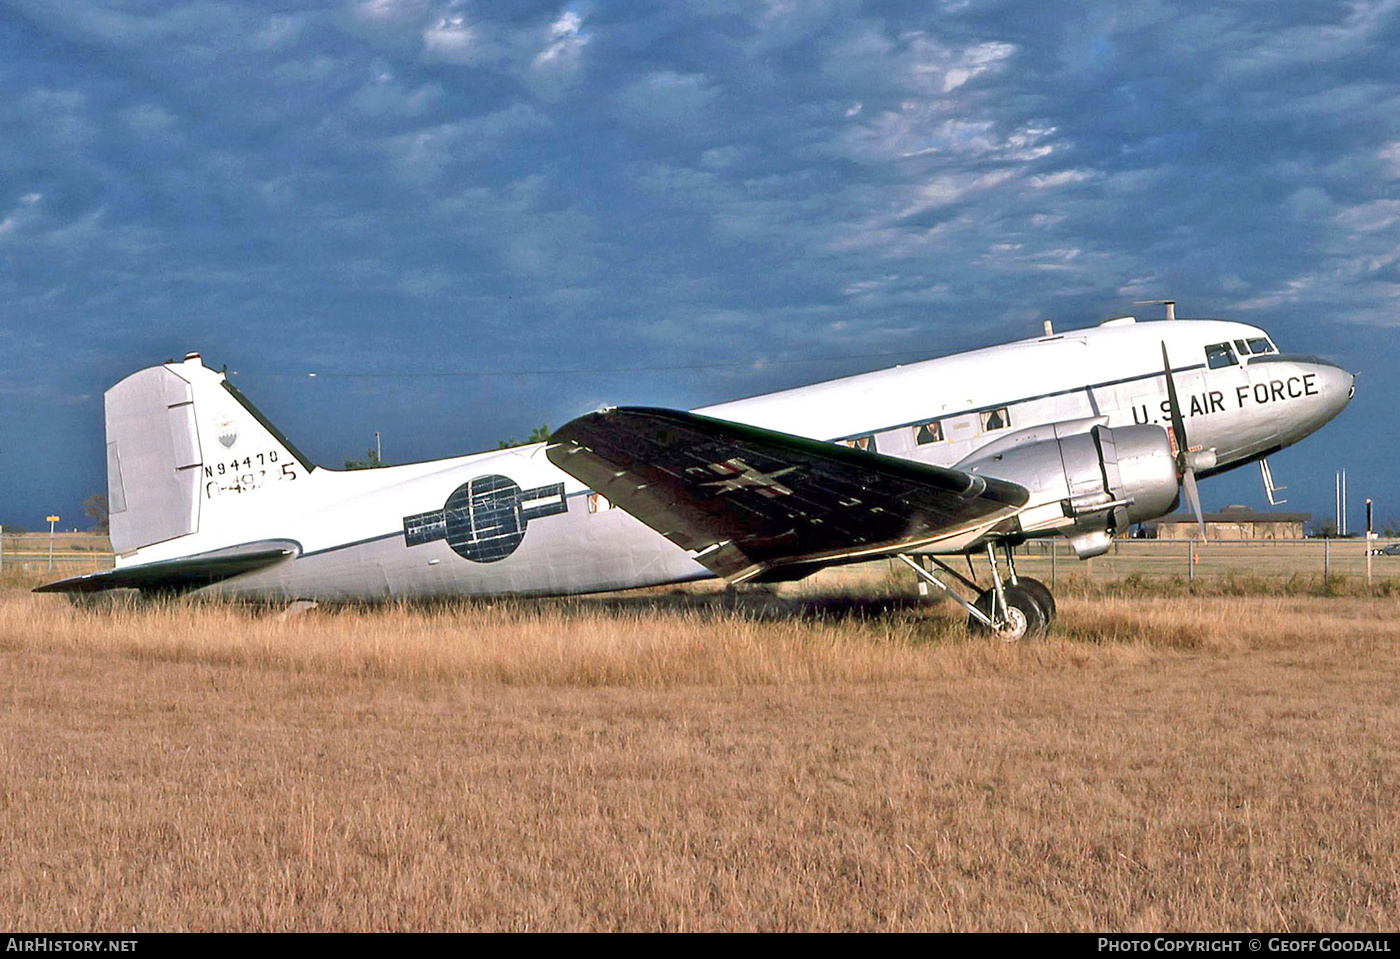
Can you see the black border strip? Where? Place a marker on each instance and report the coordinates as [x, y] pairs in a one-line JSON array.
[[266, 424]]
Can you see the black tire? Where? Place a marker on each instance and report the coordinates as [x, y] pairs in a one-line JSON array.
[[1041, 594], [1026, 619]]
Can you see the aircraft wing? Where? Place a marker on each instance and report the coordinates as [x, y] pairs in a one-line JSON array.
[[752, 503], [188, 572]]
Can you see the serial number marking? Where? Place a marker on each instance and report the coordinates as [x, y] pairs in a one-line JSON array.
[[245, 475]]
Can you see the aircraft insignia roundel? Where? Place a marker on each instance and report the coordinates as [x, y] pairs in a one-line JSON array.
[[484, 519]]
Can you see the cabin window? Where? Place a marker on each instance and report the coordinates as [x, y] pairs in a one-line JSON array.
[[997, 419], [866, 443], [930, 432], [1262, 345], [1242, 348], [1219, 355]]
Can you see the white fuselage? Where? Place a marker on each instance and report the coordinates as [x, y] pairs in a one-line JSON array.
[[349, 527]]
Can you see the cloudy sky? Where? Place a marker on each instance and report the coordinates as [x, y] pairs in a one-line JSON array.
[[471, 218]]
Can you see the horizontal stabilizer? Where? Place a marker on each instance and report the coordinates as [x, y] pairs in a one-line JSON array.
[[187, 572], [751, 502]]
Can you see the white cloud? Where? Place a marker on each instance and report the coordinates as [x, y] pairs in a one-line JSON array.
[[150, 121], [392, 11], [1390, 158], [426, 154], [26, 213], [1061, 178], [668, 97], [384, 95], [451, 39], [971, 63], [564, 48], [913, 62]]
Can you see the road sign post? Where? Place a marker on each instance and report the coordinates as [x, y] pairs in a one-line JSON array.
[[52, 520]]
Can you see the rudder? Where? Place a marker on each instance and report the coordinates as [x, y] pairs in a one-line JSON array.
[[185, 454]]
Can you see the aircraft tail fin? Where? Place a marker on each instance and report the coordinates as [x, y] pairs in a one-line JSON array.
[[186, 453]]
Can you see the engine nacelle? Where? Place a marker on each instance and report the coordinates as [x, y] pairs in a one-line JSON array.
[[1099, 480]]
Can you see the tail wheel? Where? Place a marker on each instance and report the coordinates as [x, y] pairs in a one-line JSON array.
[[1022, 619], [1041, 594]]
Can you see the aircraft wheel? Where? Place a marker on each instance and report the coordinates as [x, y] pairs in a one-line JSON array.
[[1024, 617], [1041, 594]]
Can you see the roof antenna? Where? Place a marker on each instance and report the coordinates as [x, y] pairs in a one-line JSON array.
[[1169, 304]]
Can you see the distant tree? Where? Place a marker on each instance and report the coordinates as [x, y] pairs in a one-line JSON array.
[[537, 435], [370, 462], [1324, 528], [1390, 526], [96, 508]]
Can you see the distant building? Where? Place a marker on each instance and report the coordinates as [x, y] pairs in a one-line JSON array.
[[1234, 522]]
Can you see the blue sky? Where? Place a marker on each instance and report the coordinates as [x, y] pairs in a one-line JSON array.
[[673, 204]]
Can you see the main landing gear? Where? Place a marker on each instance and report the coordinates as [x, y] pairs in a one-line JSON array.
[[1011, 610]]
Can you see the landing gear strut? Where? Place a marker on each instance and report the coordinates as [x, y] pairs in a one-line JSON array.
[[1038, 590], [1019, 608]]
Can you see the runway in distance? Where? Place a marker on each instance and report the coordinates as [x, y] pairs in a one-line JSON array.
[[1077, 434]]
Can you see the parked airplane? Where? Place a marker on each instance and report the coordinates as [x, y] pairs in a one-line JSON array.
[[1079, 434]]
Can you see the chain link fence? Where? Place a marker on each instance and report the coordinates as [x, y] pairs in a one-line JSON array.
[[1192, 560], [1051, 560], [64, 553]]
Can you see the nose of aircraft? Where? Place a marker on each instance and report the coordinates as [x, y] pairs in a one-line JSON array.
[[1337, 386]]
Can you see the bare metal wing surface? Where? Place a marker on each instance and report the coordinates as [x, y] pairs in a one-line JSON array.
[[176, 575], [751, 502]]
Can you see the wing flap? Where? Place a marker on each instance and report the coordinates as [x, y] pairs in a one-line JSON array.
[[748, 501], [187, 572]]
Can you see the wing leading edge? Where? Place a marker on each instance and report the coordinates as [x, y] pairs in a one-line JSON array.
[[752, 503]]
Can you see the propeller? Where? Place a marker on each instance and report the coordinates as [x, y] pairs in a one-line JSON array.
[[1185, 472]]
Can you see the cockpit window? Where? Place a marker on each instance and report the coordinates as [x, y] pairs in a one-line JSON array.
[[1242, 347], [1262, 345], [1219, 355]]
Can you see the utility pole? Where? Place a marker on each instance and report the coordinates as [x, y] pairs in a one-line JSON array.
[[52, 520], [1343, 530], [378, 451], [1341, 502], [1369, 537]]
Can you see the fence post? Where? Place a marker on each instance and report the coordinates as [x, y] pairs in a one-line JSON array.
[[1190, 563], [1326, 560], [1054, 547]]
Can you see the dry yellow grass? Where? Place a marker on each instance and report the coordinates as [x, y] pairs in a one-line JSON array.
[[659, 762]]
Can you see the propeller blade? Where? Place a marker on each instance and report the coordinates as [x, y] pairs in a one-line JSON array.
[[1184, 469], [1178, 424], [1193, 499]]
